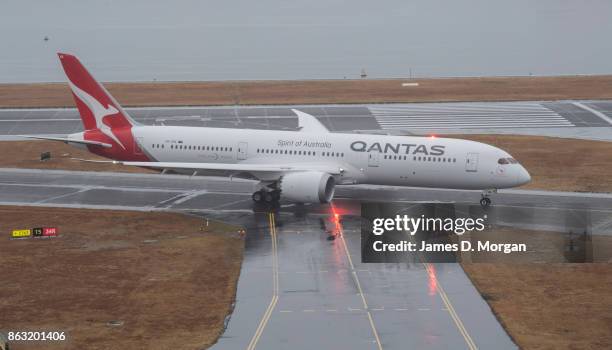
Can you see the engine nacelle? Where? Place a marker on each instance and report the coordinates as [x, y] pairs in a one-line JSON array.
[[308, 187]]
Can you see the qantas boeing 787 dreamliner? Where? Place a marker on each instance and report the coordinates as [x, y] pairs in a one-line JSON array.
[[300, 166]]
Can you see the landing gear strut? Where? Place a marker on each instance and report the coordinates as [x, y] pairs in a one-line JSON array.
[[485, 201]]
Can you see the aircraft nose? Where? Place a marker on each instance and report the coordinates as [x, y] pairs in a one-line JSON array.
[[523, 177]]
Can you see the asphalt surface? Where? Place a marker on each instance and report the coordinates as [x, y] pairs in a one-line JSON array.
[[582, 119], [300, 290]]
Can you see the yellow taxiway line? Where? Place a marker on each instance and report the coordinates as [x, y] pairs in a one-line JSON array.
[[451, 310], [363, 299], [268, 313]]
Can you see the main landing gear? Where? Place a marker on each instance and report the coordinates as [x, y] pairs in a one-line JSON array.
[[263, 196], [485, 201]]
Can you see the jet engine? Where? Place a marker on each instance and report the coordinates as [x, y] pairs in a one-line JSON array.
[[307, 187]]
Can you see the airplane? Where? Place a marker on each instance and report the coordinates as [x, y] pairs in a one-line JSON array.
[[301, 166]]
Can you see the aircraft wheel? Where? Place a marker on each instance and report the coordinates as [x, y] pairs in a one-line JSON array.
[[276, 195], [268, 197], [485, 202], [257, 197]]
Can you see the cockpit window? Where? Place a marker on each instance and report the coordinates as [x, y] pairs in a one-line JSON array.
[[507, 161]]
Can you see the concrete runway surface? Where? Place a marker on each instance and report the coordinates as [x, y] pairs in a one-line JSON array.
[[298, 289], [581, 119]]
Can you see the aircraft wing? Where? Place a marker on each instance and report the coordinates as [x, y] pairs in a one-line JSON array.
[[65, 139], [308, 123], [253, 168]]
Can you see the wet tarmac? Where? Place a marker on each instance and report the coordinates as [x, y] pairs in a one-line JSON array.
[[298, 289]]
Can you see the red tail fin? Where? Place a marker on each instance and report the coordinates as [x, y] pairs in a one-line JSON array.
[[103, 118], [95, 104]]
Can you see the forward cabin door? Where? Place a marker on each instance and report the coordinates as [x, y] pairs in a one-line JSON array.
[[471, 162], [373, 158], [243, 148]]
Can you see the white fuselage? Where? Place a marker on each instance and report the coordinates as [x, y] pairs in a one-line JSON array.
[[364, 159]]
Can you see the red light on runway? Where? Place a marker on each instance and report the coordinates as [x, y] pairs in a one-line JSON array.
[[336, 219], [433, 281]]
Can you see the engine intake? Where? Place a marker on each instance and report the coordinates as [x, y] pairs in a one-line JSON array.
[[308, 187]]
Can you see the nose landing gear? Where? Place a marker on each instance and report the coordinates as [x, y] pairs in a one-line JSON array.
[[485, 201]]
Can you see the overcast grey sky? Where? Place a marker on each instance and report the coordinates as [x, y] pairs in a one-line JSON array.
[[242, 39]]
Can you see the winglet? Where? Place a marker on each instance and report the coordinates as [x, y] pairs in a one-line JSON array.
[[308, 123]]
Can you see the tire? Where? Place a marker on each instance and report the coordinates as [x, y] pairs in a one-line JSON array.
[[268, 197], [485, 202], [257, 197]]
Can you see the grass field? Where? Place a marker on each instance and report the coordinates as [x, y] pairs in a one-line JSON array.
[[320, 91], [549, 306], [542, 302], [170, 284]]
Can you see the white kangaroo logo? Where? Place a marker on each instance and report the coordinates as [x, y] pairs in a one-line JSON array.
[[98, 111]]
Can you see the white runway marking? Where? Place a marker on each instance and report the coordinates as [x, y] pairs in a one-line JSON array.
[[466, 116], [594, 111]]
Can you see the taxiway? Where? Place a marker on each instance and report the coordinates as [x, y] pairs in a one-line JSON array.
[[297, 287]]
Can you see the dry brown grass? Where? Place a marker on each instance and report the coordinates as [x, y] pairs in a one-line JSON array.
[[320, 91], [550, 306], [173, 292], [547, 305], [556, 163], [26, 154]]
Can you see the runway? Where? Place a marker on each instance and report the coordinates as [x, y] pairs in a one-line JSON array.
[[581, 119], [301, 290]]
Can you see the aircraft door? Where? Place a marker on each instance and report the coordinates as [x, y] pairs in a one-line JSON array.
[[373, 159], [471, 162], [243, 148]]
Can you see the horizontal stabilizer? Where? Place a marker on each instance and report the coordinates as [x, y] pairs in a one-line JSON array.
[[68, 140]]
